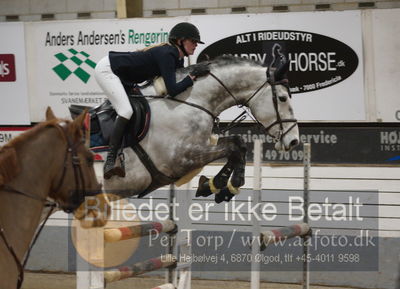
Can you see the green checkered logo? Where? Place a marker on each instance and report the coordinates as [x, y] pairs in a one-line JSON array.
[[74, 62]]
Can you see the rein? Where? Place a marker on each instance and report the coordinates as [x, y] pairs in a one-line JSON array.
[[279, 121], [21, 265], [79, 180], [214, 117], [196, 106], [241, 117]]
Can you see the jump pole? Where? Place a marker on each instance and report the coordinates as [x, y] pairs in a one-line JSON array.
[[90, 241], [169, 274], [306, 191], [255, 248], [182, 245], [265, 238], [95, 238]]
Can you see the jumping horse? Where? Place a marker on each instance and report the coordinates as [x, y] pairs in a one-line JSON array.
[[178, 137], [47, 166]]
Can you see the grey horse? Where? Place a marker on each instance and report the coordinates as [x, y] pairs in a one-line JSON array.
[[178, 140]]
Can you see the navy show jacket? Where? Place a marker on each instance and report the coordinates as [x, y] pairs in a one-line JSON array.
[[139, 66]]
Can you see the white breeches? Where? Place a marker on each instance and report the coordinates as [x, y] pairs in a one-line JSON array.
[[113, 88]]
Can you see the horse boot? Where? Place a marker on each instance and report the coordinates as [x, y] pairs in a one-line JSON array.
[[203, 189], [110, 167]]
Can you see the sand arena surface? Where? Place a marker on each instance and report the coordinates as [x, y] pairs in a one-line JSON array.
[[68, 281]]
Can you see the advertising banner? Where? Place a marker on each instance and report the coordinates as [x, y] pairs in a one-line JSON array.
[[8, 133], [324, 50], [331, 145], [14, 108], [62, 57]]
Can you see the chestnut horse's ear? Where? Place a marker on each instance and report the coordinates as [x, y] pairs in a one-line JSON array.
[[50, 114], [80, 120], [81, 125]]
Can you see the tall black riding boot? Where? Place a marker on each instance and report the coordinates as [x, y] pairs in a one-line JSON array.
[[110, 168]]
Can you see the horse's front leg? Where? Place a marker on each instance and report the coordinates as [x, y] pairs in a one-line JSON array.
[[235, 151], [214, 185], [238, 161]]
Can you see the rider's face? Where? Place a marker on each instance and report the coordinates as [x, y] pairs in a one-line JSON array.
[[189, 45]]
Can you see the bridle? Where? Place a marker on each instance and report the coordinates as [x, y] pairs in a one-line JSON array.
[[279, 121], [75, 200], [80, 192], [241, 104]]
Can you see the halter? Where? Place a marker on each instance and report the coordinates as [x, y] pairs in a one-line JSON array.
[[75, 199]]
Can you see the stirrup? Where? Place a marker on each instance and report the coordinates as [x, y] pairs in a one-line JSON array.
[[108, 170], [119, 167], [109, 165]]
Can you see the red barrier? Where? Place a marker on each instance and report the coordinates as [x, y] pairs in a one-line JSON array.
[[125, 233], [139, 268], [274, 236]]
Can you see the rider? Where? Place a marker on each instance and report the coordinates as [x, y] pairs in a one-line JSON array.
[[117, 71]]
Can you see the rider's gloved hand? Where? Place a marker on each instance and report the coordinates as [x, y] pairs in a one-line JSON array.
[[200, 70]]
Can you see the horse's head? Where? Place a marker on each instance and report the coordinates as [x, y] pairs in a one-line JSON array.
[[243, 82], [265, 92], [75, 187], [271, 106]]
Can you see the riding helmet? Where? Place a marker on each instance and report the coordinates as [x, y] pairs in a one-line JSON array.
[[184, 30]]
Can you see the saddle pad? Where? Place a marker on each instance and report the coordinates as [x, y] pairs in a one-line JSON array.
[[140, 122]]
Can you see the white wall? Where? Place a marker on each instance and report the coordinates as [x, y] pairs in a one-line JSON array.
[[106, 9], [385, 60], [62, 9]]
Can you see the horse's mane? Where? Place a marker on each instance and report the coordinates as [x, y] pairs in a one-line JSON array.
[[9, 166], [223, 60]]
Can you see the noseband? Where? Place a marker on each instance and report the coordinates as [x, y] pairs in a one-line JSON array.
[[75, 199]]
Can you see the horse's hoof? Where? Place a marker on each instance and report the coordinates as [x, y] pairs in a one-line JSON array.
[[224, 196], [237, 180], [203, 189]]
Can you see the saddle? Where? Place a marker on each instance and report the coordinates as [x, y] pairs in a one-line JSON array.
[[102, 119]]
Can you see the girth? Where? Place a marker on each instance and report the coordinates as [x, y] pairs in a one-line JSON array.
[[158, 179]]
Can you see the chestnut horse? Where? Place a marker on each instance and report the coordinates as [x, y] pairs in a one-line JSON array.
[[48, 165]]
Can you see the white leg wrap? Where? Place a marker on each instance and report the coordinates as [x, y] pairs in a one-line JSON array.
[[232, 189], [213, 189]]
